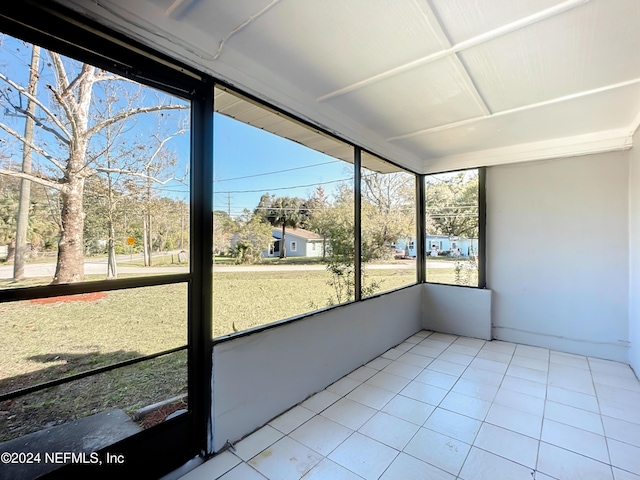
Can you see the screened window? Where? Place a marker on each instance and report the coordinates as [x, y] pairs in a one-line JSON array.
[[388, 215], [94, 185], [283, 217], [452, 226], [103, 193]]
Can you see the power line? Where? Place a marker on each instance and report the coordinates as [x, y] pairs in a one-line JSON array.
[[274, 172], [266, 190], [284, 188]]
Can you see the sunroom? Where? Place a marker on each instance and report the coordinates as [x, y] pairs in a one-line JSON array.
[[150, 149]]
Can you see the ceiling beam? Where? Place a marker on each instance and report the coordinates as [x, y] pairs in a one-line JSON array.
[[634, 127], [472, 42], [438, 30], [177, 8], [578, 145], [531, 106], [241, 26]]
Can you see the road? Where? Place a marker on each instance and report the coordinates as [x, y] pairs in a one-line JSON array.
[[93, 266]]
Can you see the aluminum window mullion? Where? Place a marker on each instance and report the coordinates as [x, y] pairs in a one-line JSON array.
[[200, 360], [357, 224], [421, 230], [482, 227], [47, 291]]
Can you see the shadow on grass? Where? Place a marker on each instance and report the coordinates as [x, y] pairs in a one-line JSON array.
[[66, 364], [128, 388]]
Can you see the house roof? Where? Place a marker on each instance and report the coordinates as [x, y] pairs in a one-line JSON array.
[[432, 85], [298, 232]]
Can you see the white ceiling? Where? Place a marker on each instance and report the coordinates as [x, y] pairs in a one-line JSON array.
[[432, 85]]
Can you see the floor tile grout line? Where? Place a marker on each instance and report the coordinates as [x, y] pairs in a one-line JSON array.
[[544, 409], [576, 453], [533, 469], [449, 390], [604, 431]]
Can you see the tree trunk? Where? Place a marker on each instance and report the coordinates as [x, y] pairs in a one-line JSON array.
[[112, 267], [283, 248], [70, 265], [22, 223], [145, 241], [149, 240]]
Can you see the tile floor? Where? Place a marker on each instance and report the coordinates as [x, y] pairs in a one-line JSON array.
[[444, 407]]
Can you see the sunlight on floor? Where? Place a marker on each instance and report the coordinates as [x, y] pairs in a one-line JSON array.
[[442, 407]]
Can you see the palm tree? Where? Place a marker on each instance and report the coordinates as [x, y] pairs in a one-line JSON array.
[[285, 212]]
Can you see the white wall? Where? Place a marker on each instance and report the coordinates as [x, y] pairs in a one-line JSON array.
[[259, 376], [558, 253], [634, 254], [457, 310]]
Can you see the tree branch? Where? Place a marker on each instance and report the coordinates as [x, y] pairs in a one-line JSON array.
[[137, 174], [130, 113], [24, 92], [61, 72], [64, 106], [161, 145], [41, 125], [63, 82], [86, 70], [34, 179], [104, 77], [32, 145]]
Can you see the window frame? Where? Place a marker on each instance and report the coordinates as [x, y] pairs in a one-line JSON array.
[[56, 28], [482, 227]]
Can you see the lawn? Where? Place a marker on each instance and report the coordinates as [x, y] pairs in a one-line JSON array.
[[244, 300], [45, 341]]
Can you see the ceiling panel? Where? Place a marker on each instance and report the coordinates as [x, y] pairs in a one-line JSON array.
[[582, 49], [215, 18], [374, 163], [602, 112], [371, 71], [425, 97], [324, 46], [464, 19]]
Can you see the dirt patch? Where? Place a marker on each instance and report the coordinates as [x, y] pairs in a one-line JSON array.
[[81, 297], [160, 414]]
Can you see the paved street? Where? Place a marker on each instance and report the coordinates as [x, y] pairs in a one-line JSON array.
[[93, 266]]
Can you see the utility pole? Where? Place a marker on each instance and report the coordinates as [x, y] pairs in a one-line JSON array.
[[22, 223]]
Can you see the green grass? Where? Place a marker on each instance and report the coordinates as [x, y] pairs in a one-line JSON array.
[[163, 260], [128, 388], [44, 342], [278, 295]]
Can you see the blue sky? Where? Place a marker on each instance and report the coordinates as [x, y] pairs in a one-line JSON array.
[[270, 162], [248, 161]]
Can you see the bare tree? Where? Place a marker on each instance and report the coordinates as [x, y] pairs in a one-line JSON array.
[[22, 221], [388, 211], [127, 164], [66, 120]]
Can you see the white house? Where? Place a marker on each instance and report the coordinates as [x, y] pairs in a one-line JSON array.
[[299, 243], [439, 243]]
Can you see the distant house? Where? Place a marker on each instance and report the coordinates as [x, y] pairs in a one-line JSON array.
[[300, 243], [439, 243]]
